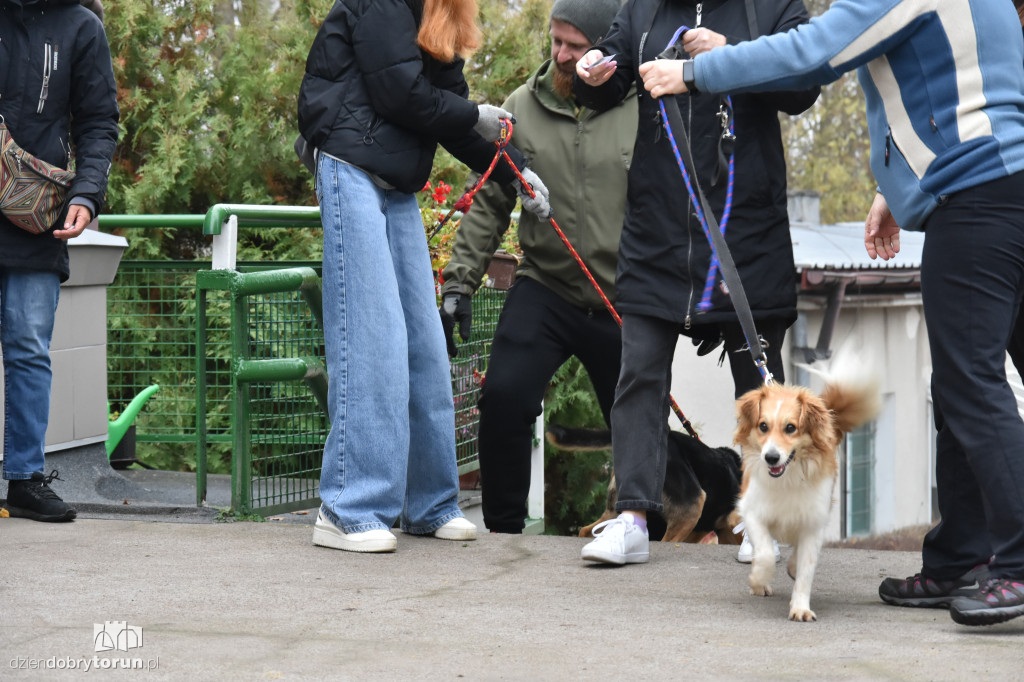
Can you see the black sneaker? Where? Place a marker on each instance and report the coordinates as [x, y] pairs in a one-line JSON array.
[[1000, 599], [929, 593], [35, 499]]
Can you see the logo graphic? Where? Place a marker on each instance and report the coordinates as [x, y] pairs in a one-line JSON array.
[[117, 635]]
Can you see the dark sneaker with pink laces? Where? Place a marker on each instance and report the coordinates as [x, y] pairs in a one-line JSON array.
[[929, 593], [999, 600]]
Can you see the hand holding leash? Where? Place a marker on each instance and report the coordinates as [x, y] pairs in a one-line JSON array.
[[534, 194], [489, 124]]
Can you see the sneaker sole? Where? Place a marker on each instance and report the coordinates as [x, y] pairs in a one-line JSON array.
[[455, 535], [986, 616], [750, 559], [20, 513], [919, 602], [325, 538], [616, 559]]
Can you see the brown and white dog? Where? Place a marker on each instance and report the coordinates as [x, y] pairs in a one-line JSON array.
[[788, 437]]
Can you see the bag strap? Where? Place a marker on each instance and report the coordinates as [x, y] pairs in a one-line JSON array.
[[752, 20]]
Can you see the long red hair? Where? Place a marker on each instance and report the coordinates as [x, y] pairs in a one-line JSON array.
[[449, 28]]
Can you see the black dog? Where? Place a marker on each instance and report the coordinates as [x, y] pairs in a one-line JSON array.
[[702, 484]]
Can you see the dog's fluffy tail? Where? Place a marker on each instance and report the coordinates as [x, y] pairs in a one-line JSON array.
[[852, 389]]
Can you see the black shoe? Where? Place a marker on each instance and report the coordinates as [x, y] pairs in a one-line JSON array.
[[1000, 599], [34, 499], [928, 593]]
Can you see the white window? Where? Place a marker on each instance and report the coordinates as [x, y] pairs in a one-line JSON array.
[[859, 486]]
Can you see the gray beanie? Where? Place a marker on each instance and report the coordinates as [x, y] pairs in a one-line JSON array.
[[592, 17]]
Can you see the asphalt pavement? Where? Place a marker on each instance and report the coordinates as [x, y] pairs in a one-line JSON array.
[[202, 600]]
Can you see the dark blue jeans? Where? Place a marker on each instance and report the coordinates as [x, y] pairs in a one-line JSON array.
[[28, 305], [537, 332], [972, 276]]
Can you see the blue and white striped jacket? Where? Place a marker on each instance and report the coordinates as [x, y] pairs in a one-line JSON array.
[[943, 81]]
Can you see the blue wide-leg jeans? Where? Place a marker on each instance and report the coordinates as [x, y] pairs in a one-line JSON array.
[[28, 306], [390, 453]]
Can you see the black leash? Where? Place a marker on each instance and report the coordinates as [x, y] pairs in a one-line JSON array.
[[674, 122]]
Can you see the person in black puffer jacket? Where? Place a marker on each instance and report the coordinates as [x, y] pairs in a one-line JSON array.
[[383, 87], [664, 256], [57, 91]]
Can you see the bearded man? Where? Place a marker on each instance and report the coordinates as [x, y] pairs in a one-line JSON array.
[[552, 311]]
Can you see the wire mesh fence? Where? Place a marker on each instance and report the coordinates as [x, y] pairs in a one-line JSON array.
[[152, 340]]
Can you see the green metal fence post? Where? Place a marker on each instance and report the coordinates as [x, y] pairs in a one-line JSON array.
[[200, 395]]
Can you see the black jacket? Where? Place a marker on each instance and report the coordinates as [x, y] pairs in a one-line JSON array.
[[370, 96], [664, 255], [79, 111]]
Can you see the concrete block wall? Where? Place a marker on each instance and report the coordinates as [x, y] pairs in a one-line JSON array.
[[78, 351]]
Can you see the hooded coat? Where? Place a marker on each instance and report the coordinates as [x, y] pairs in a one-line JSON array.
[[664, 255], [583, 158], [65, 44]]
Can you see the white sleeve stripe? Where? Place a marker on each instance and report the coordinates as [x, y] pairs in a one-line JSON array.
[[917, 154], [895, 19], [972, 122]]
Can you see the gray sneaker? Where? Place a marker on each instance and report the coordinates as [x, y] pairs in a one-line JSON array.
[[929, 593], [618, 541]]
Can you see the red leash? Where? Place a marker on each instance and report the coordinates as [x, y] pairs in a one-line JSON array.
[[466, 201], [586, 271]]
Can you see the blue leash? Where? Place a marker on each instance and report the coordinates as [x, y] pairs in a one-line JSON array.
[[714, 234], [709, 282]]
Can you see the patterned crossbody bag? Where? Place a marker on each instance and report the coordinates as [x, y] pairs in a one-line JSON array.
[[33, 193]]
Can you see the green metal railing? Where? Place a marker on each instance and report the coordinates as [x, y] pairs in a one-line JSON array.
[[156, 336], [277, 429]]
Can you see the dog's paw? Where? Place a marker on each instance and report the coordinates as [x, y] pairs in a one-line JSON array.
[[802, 615], [758, 590]]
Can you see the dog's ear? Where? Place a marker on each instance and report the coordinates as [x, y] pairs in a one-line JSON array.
[[816, 420], [748, 409]]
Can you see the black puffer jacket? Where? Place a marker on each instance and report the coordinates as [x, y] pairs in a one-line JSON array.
[[373, 98], [664, 254], [79, 111]]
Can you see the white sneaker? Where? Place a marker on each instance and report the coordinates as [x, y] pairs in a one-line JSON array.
[[459, 528], [746, 553], [326, 534], [618, 541]]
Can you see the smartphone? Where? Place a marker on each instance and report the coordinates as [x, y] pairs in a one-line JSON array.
[[599, 62]]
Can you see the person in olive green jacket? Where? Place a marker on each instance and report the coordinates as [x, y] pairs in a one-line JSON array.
[[552, 311]]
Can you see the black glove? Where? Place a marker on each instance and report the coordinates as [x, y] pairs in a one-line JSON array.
[[456, 308]]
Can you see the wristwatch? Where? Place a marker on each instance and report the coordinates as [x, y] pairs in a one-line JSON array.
[[688, 76]]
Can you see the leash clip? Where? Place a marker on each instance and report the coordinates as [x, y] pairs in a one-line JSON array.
[[725, 119]]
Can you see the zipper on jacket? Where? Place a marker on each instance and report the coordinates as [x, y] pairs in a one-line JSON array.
[[44, 92], [640, 58], [700, 10], [888, 138], [581, 217]]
